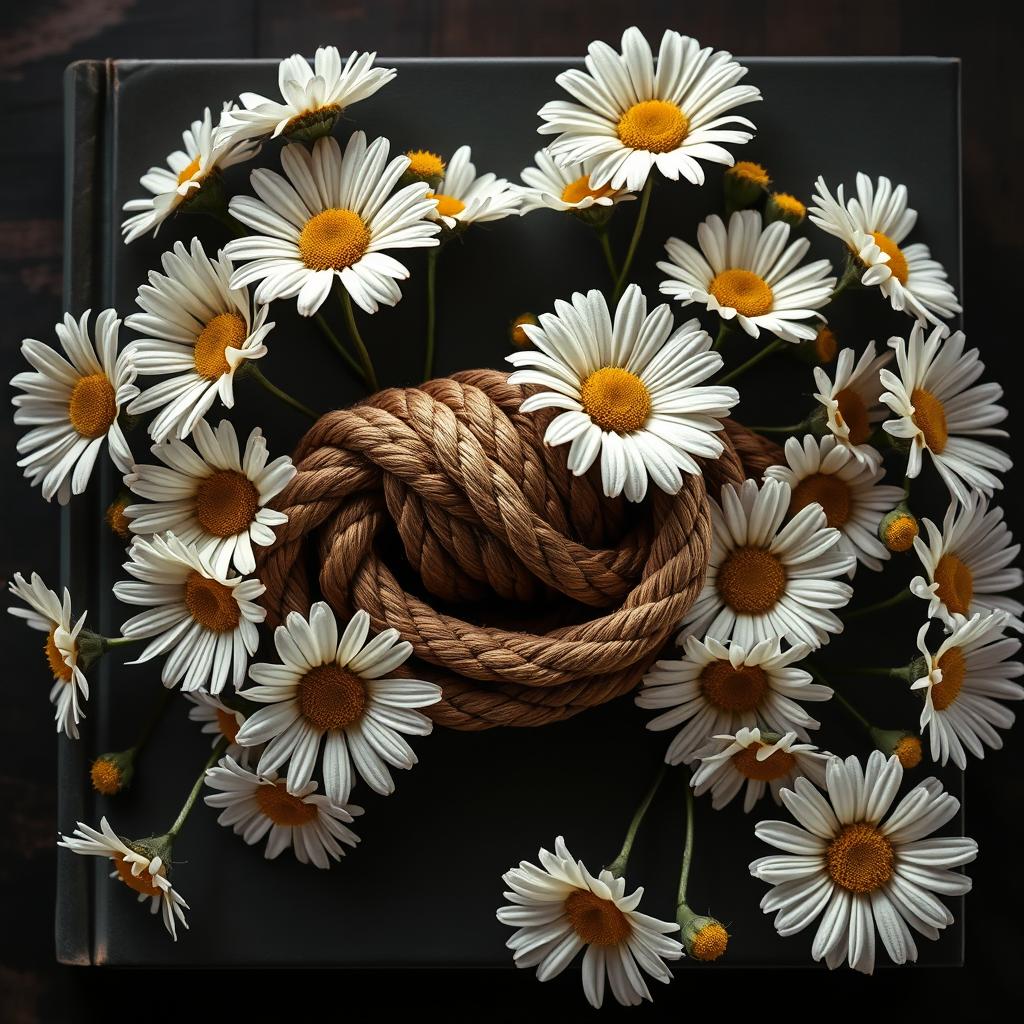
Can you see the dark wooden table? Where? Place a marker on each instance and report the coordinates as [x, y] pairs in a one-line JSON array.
[[38, 40]]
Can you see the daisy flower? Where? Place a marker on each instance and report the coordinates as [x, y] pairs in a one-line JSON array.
[[825, 471], [52, 616], [312, 98], [629, 390], [852, 402], [633, 116], [750, 274], [216, 499], [765, 580], [755, 759], [559, 908], [862, 872], [342, 692], [219, 721], [937, 410], [873, 227], [208, 150], [717, 688], [254, 805], [197, 331], [205, 620], [565, 188], [72, 405], [967, 564], [332, 217], [462, 198], [961, 684], [138, 864]]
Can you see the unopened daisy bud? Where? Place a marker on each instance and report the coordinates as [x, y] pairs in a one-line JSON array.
[[899, 528], [516, 334], [745, 183], [703, 937], [783, 206], [904, 744], [819, 351], [423, 166], [111, 773], [115, 517]]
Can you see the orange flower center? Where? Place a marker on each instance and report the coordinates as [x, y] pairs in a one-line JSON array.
[[105, 776], [447, 206], [228, 724], [331, 697], [56, 660], [211, 603], [956, 584], [142, 882], [789, 204], [224, 331], [709, 943], [901, 532], [747, 170], [578, 190], [117, 520], [733, 689], [333, 240], [908, 750], [853, 414], [742, 290], [226, 503], [655, 125], [93, 405], [825, 345], [424, 165], [954, 670], [751, 580], [897, 261], [616, 400], [596, 921], [189, 172], [860, 859], [282, 808], [777, 764], [831, 493], [930, 417]]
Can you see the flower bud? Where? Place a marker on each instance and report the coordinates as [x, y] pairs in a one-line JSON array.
[[782, 206], [745, 182], [423, 166], [115, 517], [820, 350], [516, 334], [899, 528], [904, 744], [704, 938], [111, 773]]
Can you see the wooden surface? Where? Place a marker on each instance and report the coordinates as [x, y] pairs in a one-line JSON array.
[[36, 41]]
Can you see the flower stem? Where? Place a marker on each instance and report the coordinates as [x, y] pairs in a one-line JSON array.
[[369, 373], [428, 362], [684, 870], [159, 707], [336, 344], [851, 275], [723, 331], [880, 606], [842, 701], [196, 788], [609, 256], [638, 229], [257, 374], [792, 428], [220, 213], [772, 346], [618, 866]]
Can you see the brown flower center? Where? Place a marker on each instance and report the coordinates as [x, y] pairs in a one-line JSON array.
[[93, 405], [930, 417], [826, 345], [332, 697], [211, 603], [224, 331], [56, 660], [228, 724], [655, 125], [596, 921], [751, 580], [226, 503], [777, 764], [742, 290], [955, 584], [860, 858], [282, 808], [733, 689], [616, 400], [831, 493], [853, 414], [954, 670], [333, 240]]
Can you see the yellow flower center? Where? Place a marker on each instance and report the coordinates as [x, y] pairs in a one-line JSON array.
[[860, 858], [709, 943], [853, 414], [751, 580], [789, 205], [749, 171], [954, 670], [655, 125], [424, 164], [331, 697], [226, 503], [578, 190], [516, 333], [93, 405], [106, 777], [189, 172], [211, 603], [826, 346], [228, 724], [282, 808], [616, 400], [117, 520], [831, 493], [774, 766], [733, 689], [956, 584], [742, 290], [447, 206], [224, 331], [140, 883], [897, 261], [908, 751], [901, 533], [333, 240], [930, 418], [56, 660], [596, 921]]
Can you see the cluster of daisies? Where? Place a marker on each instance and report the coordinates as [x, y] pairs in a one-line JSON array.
[[640, 401]]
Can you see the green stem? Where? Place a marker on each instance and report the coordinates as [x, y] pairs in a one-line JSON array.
[[220, 213], [428, 362], [638, 229], [767, 350], [336, 344], [684, 870], [609, 256], [369, 373], [159, 707], [793, 428], [851, 275], [257, 374], [853, 712], [723, 331], [191, 798], [880, 606], [618, 866]]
